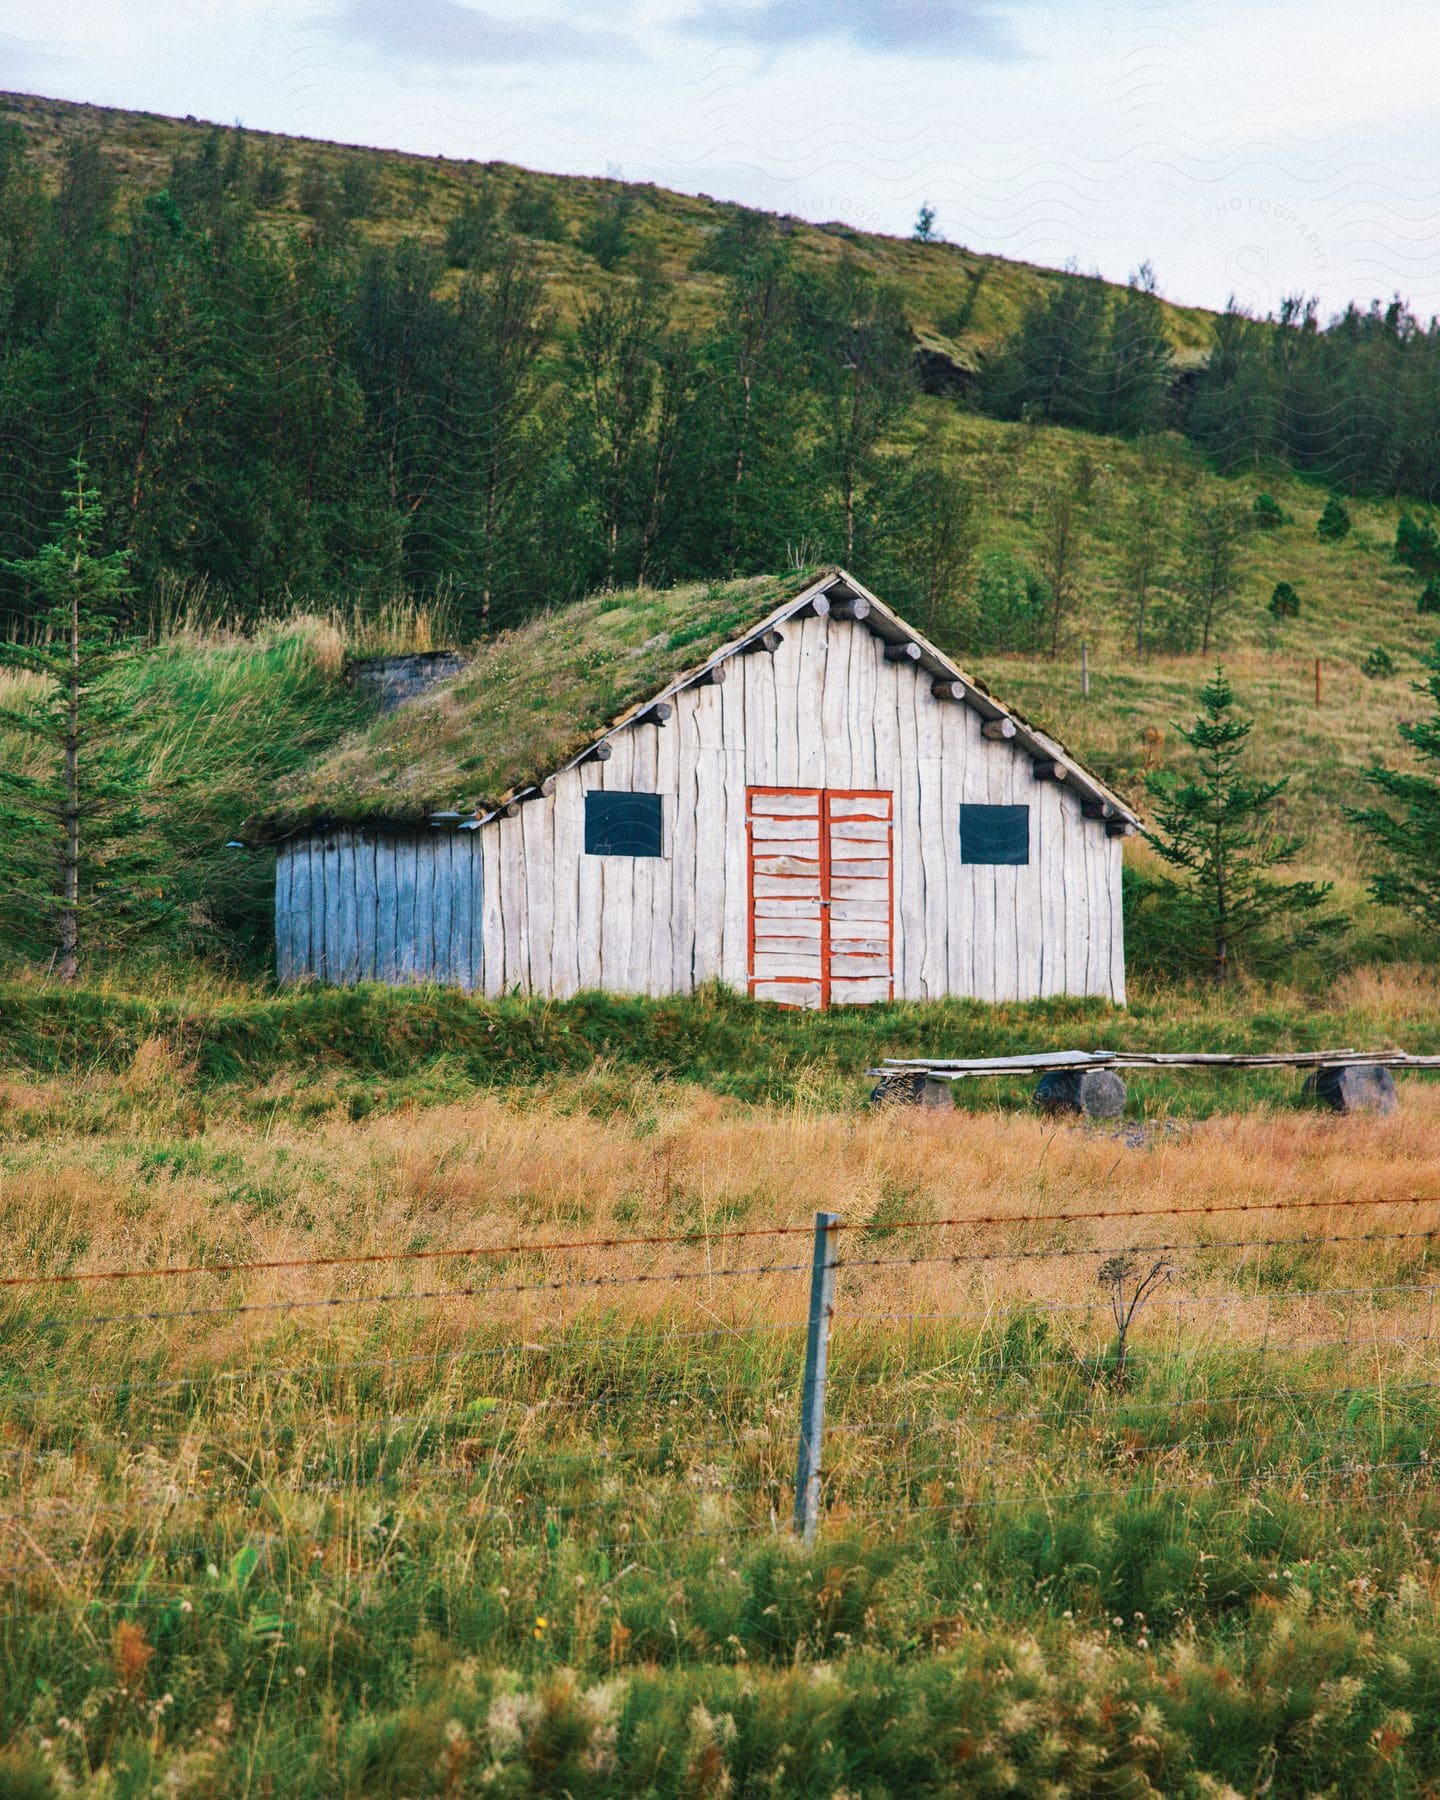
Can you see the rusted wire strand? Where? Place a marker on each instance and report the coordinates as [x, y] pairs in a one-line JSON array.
[[697, 1239]]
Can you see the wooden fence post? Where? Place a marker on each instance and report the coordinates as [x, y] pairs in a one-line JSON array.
[[812, 1396]]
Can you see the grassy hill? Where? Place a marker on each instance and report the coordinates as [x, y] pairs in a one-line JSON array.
[[418, 195], [1353, 598]]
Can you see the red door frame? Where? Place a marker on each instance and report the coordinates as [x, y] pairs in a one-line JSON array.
[[887, 795], [823, 820]]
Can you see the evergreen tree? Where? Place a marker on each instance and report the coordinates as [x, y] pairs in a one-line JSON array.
[[858, 357], [1405, 826], [75, 872], [534, 213], [1053, 366], [1285, 601], [272, 183], [407, 361], [918, 539], [1235, 411], [617, 340], [1060, 556], [474, 238], [1417, 545], [87, 192], [1135, 363], [1334, 523], [319, 197], [1216, 828], [925, 232], [609, 234], [359, 184], [1429, 601], [1143, 552], [1211, 569]]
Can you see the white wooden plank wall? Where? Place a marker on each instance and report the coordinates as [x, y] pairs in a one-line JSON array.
[[735, 922], [518, 905]]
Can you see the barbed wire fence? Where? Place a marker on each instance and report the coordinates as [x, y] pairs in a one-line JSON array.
[[845, 1408]]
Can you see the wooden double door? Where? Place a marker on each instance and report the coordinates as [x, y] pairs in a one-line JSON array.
[[821, 895]]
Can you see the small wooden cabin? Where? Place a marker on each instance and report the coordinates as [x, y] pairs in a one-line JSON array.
[[782, 787]]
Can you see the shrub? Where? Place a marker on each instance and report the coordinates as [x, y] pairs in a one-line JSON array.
[[1429, 601], [1010, 603], [1334, 523], [534, 214], [358, 185], [1378, 663], [472, 238], [272, 184], [608, 236], [1417, 545], [1268, 513], [1285, 601]]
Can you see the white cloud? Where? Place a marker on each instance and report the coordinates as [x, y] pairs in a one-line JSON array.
[[445, 33], [928, 28]]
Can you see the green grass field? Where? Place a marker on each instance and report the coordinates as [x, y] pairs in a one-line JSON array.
[[487, 1519]]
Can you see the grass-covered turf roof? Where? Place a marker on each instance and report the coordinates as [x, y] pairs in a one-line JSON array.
[[526, 703]]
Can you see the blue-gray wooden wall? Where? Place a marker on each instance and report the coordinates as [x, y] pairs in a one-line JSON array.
[[356, 905]]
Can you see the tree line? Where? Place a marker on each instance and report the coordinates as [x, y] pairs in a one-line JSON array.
[[1353, 402], [279, 407]]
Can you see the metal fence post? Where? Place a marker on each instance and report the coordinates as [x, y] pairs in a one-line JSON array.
[[812, 1397]]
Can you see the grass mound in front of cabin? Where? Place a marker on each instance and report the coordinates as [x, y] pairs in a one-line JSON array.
[[314, 1051]]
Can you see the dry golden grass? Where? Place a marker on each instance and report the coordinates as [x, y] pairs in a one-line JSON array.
[[489, 1174]]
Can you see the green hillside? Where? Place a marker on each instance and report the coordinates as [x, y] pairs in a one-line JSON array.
[[419, 195]]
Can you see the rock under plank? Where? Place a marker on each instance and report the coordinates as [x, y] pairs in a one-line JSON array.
[[1091, 1093], [1355, 1088]]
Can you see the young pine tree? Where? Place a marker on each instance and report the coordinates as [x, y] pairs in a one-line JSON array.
[[1143, 553], [1061, 554], [856, 345], [73, 868], [1217, 829], [1211, 569], [1407, 831]]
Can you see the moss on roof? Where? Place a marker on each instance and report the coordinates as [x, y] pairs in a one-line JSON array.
[[526, 702]]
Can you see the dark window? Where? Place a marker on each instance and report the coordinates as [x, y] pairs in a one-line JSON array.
[[994, 834], [622, 824]]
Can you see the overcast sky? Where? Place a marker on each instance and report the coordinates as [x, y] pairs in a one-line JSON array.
[[1246, 147]]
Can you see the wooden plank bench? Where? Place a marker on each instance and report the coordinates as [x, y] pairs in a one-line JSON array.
[[1089, 1082]]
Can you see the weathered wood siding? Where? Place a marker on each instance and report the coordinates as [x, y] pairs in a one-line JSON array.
[[519, 905], [826, 711], [367, 906]]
